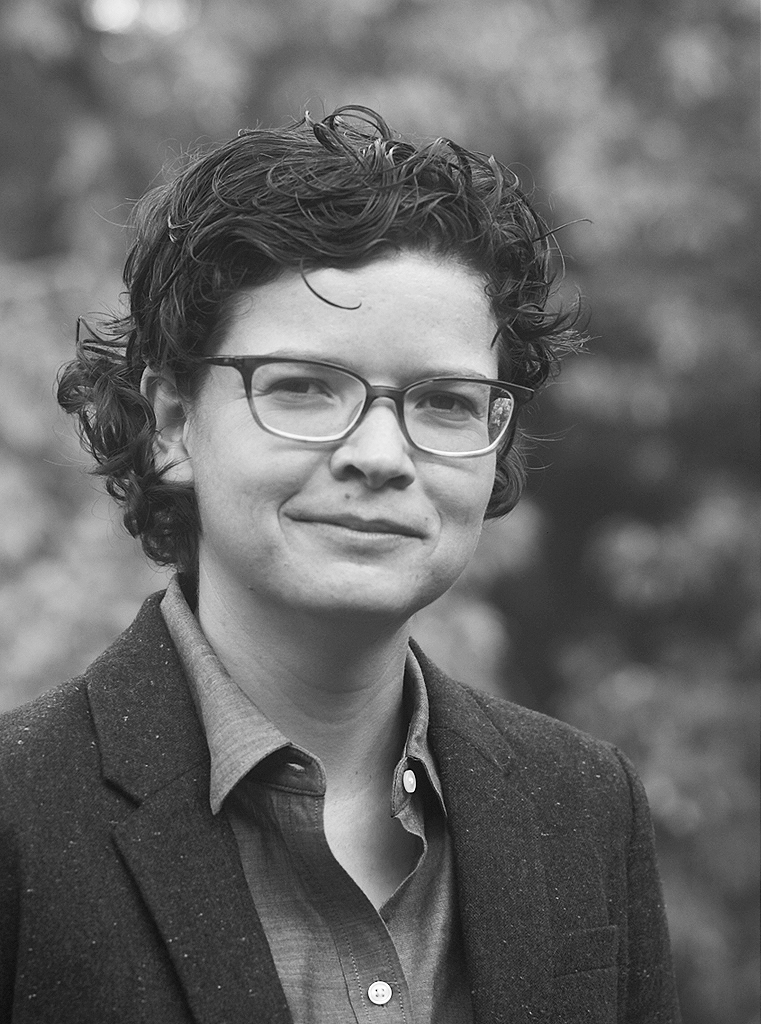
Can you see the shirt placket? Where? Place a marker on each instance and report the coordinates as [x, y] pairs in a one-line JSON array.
[[373, 975]]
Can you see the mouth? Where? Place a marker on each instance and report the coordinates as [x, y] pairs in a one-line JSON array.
[[361, 525]]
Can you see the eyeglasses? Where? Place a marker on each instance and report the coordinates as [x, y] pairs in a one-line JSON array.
[[303, 400]]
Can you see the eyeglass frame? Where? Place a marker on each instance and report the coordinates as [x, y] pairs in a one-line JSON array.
[[247, 366]]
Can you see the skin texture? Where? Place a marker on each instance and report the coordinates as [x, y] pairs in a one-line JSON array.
[[313, 558], [269, 506]]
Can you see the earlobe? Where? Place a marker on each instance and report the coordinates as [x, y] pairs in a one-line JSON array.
[[170, 440]]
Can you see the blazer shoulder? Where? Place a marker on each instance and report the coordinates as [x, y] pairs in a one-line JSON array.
[[49, 718], [528, 728], [561, 749], [55, 732], [540, 746], [48, 759]]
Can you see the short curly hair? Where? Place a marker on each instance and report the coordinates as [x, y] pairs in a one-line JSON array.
[[339, 192]]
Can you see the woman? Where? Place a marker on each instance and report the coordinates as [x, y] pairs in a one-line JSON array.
[[263, 802]]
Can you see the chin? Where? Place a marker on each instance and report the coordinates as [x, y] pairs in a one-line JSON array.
[[357, 600], [364, 608]]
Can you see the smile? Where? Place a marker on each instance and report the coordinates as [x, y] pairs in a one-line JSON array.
[[370, 527]]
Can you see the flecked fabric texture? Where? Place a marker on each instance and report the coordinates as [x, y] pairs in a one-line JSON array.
[[122, 898]]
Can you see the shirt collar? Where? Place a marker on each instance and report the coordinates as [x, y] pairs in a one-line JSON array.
[[238, 734], [417, 733]]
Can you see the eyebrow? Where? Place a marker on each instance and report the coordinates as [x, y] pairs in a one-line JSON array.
[[310, 357]]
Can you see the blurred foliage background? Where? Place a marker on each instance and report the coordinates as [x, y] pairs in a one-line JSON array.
[[622, 594]]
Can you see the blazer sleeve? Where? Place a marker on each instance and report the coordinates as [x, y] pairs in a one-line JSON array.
[[650, 996]]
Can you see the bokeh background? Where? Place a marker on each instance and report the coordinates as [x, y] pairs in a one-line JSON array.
[[622, 594]]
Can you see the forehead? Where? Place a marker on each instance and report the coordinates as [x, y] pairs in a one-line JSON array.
[[404, 309]]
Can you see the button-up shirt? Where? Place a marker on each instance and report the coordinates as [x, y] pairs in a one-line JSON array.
[[338, 958]]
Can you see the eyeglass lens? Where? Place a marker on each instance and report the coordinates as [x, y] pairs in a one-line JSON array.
[[317, 402]]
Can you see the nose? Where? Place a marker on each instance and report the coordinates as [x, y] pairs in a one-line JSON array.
[[376, 451]]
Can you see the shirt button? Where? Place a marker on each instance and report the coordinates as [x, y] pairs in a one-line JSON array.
[[409, 781], [379, 993]]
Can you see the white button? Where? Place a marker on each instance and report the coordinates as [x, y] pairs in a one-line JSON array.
[[409, 781], [379, 993]]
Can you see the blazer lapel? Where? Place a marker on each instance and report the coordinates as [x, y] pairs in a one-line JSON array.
[[186, 866], [183, 860], [504, 904]]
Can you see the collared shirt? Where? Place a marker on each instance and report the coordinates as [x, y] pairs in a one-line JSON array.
[[338, 958]]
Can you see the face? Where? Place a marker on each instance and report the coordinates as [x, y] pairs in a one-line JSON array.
[[367, 526]]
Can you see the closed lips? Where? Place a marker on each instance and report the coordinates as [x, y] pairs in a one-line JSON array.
[[363, 525]]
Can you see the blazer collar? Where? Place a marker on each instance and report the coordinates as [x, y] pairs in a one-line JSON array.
[[503, 898], [183, 860]]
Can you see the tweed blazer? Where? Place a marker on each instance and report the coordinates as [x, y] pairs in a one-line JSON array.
[[123, 900]]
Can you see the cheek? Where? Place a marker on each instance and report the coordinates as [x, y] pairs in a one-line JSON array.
[[244, 481], [465, 493], [460, 499]]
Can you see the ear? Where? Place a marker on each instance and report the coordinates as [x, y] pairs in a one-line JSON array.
[[170, 440]]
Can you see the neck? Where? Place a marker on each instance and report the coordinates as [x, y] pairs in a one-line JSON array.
[[332, 686]]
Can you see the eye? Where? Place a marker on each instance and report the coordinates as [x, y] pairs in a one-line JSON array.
[[445, 401], [307, 386], [293, 384], [452, 403]]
